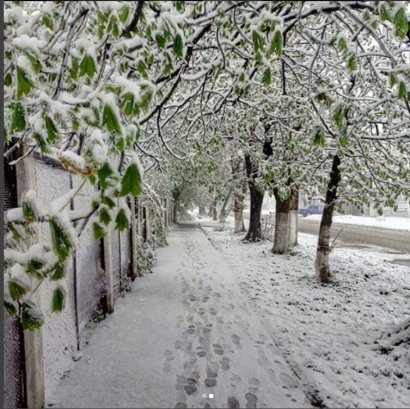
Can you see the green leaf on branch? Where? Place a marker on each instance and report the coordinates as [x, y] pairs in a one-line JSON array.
[[267, 77], [351, 62], [17, 289], [341, 44], [146, 100], [343, 140], [132, 181], [48, 21], [124, 13], [319, 137], [29, 211], [401, 24], [59, 272], [88, 66], [60, 240], [34, 267], [113, 26], [29, 320], [58, 300], [33, 60], [392, 79], [128, 105], [257, 41], [98, 231], [24, 85], [8, 79], [41, 143], [402, 91], [276, 45], [178, 46], [18, 121], [103, 175], [52, 133], [10, 307], [384, 12], [121, 220], [110, 120], [107, 201], [105, 216], [160, 39], [338, 115]]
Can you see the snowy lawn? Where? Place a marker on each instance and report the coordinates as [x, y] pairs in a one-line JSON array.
[[347, 341]]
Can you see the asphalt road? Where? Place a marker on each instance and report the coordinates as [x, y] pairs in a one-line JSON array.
[[356, 236]]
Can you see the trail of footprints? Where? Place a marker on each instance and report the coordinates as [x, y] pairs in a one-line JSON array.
[[198, 327]]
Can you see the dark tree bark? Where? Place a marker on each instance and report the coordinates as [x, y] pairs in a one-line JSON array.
[[323, 246], [223, 213], [293, 217], [214, 209], [256, 196], [202, 211]]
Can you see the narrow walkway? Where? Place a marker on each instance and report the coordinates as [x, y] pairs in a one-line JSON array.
[[184, 337]]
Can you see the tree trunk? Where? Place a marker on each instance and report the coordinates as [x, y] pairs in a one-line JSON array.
[[323, 246], [223, 213], [293, 217], [238, 209], [281, 237], [254, 231], [214, 210], [202, 211]]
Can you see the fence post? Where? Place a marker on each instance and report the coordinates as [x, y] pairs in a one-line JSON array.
[[108, 272], [33, 340], [33, 351], [134, 233]]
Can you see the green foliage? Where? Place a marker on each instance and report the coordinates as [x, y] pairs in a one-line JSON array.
[[257, 41], [87, 66], [104, 173], [131, 182], [121, 220], [337, 116], [113, 26], [29, 320], [98, 231], [400, 23], [58, 273], [60, 239], [10, 307], [18, 121], [48, 21], [17, 289], [384, 12], [402, 91], [24, 85], [110, 120], [276, 45], [52, 132], [105, 216], [319, 136], [178, 46], [58, 300], [267, 77]]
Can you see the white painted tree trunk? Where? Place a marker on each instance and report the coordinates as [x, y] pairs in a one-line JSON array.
[[322, 255], [293, 228], [281, 238]]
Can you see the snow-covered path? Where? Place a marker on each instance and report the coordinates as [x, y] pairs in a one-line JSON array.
[[182, 334]]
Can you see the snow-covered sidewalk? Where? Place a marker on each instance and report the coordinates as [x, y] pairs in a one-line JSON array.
[[185, 336]]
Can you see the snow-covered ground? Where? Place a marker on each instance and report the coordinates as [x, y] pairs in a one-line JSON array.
[[396, 223], [223, 324], [347, 341]]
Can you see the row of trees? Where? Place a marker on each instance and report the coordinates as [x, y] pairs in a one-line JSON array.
[[293, 95]]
